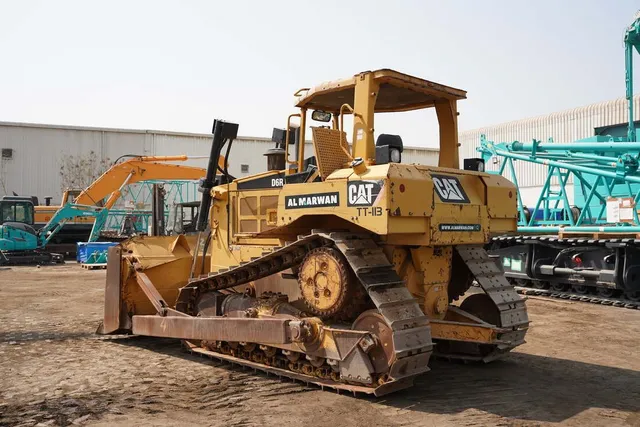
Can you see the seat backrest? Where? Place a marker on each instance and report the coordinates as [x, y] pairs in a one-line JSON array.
[[328, 144]]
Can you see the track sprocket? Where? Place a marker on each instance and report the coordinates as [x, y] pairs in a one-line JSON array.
[[327, 283]]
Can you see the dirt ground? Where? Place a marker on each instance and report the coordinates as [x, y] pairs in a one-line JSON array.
[[581, 366]]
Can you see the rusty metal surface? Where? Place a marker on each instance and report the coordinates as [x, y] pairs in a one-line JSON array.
[[411, 336], [295, 375], [150, 291], [357, 367], [467, 332], [268, 331], [346, 340], [383, 355], [336, 344], [172, 312], [112, 297], [477, 341]]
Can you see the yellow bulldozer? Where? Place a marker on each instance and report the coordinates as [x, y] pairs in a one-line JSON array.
[[345, 268]]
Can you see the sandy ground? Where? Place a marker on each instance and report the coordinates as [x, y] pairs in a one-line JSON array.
[[581, 366]]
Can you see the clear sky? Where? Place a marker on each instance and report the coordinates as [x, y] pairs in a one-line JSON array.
[[177, 65]]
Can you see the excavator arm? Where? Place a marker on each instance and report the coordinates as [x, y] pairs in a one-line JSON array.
[[137, 169], [110, 184], [70, 211]]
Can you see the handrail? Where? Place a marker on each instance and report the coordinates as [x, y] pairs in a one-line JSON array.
[[304, 89], [286, 144]]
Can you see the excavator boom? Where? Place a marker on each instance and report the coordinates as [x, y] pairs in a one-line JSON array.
[[87, 205], [111, 183], [134, 170]]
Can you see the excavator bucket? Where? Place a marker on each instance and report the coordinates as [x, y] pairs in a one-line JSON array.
[[165, 261]]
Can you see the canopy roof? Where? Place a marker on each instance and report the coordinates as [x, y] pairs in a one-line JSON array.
[[398, 92]]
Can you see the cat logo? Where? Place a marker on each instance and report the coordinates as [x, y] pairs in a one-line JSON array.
[[449, 189], [363, 193]]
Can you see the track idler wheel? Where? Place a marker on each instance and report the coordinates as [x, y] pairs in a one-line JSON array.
[[382, 355], [268, 350], [483, 307], [315, 361], [327, 284], [292, 356], [633, 295]]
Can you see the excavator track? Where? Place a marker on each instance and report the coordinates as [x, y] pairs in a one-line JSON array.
[[411, 333], [512, 312], [584, 291], [30, 257], [526, 288]]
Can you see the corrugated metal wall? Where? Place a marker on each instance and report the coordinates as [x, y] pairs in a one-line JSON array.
[[37, 152], [420, 156], [564, 126]]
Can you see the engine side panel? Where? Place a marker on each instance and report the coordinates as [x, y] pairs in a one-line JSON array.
[[408, 203]]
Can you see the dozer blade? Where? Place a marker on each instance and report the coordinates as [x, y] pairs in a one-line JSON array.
[[165, 260]]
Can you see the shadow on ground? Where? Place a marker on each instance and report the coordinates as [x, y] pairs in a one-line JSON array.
[[522, 386]]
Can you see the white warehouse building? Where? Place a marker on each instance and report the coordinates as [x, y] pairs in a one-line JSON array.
[[32, 154], [564, 126]]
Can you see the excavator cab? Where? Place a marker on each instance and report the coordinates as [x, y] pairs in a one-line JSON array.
[[16, 210], [68, 196], [183, 217], [16, 229]]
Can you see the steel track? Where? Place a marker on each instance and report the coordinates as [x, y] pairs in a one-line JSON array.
[[411, 334], [514, 320], [574, 296], [410, 327], [523, 285], [279, 372]]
